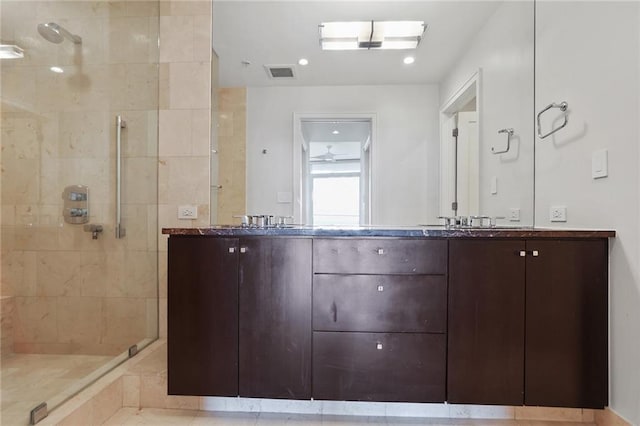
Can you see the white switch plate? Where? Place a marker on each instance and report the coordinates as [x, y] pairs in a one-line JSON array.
[[285, 197], [514, 215], [494, 185], [558, 214], [599, 164], [188, 212]]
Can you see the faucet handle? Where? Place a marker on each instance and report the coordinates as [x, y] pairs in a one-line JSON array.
[[447, 220], [94, 228], [493, 221]]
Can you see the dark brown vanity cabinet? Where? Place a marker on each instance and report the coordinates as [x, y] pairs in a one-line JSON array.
[[240, 317], [507, 321], [203, 316], [275, 318], [379, 319], [528, 322], [566, 335]]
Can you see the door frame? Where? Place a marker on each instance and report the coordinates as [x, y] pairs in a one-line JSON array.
[[468, 90], [300, 145]]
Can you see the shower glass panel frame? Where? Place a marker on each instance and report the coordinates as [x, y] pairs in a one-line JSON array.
[[74, 298]]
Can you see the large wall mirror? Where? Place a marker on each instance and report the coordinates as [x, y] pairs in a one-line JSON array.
[[362, 136]]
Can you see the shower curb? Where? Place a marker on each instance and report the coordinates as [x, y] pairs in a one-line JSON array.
[[100, 400]]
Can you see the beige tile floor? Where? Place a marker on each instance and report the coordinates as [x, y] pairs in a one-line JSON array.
[[29, 379], [159, 417]]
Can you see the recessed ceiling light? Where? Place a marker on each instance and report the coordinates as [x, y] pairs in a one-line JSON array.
[[409, 60], [57, 69], [303, 61], [336, 132]]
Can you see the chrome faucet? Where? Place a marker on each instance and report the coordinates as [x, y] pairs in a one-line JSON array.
[[472, 221]]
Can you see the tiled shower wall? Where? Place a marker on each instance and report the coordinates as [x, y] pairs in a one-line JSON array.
[[185, 121], [69, 293]]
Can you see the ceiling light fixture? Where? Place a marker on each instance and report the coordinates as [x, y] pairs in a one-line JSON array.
[[303, 61], [336, 132], [57, 69], [11, 51], [409, 60], [371, 35]]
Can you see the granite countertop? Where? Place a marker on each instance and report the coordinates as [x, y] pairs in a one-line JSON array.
[[392, 231]]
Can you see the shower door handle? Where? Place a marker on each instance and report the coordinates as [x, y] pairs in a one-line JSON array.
[[120, 124]]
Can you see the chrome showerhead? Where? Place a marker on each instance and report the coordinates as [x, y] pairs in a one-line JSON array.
[[56, 34]]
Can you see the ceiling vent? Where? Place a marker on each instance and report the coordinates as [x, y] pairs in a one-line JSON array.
[[280, 71]]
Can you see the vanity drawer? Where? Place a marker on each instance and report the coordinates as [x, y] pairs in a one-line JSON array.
[[406, 367], [379, 256], [380, 303]]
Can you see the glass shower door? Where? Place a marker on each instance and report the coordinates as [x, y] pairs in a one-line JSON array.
[[76, 296]]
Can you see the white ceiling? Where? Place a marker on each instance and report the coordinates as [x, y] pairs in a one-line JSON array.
[[281, 32], [347, 144], [348, 131]]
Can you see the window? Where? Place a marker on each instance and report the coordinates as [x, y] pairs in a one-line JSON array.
[[335, 189]]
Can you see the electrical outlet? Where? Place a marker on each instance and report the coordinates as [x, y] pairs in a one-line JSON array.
[[188, 212], [558, 214], [514, 215]]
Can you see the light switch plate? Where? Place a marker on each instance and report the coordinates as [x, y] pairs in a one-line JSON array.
[[494, 185], [599, 164], [285, 197], [188, 211], [514, 215]]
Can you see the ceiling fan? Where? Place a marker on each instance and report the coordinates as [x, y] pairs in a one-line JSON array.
[[327, 156]]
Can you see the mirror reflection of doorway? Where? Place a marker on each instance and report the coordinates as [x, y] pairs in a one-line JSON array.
[[460, 153], [335, 171]]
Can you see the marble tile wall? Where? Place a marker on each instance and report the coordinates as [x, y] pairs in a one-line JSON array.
[[72, 294], [185, 122], [6, 325], [232, 142]]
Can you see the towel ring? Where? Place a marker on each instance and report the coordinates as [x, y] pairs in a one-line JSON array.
[[509, 133], [563, 107]]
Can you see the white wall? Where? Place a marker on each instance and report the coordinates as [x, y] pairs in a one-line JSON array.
[[405, 155], [588, 54], [503, 49]]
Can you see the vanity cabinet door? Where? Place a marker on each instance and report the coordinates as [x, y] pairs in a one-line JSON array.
[[275, 317], [486, 322], [203, 316], [566, 323]]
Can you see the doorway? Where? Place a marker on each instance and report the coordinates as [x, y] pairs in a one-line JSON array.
[[460, 151], [334, 171]]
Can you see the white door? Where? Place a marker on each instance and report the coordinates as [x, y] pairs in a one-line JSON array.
[[468, 164], [447, 166]]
